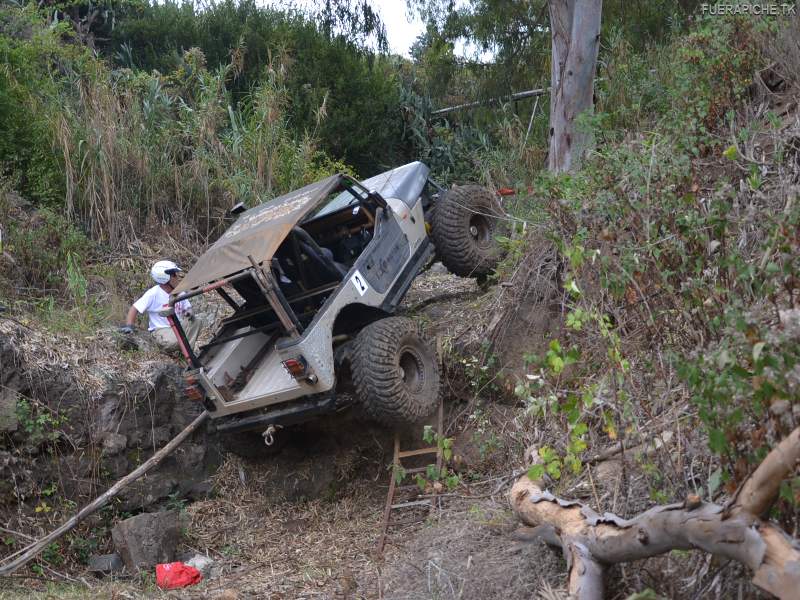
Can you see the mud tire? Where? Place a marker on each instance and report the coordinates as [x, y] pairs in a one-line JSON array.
[[395, 372], [466, 222], [250, 444]]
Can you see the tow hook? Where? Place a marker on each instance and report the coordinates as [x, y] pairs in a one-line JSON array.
[[269, 434]]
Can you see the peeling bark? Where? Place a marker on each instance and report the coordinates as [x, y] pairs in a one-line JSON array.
[[591, 541]]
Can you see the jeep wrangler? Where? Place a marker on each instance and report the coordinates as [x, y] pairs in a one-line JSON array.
[[311, 281]]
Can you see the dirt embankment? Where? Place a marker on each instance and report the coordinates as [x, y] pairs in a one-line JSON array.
[[77, 416], [307, 519]]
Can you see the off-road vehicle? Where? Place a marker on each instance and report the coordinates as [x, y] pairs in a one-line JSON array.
[[312, 280]]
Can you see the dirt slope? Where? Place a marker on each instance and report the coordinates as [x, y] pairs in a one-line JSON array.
[[305, 524]]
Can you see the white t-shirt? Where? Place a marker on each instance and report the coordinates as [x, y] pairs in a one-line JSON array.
[[152, 301]]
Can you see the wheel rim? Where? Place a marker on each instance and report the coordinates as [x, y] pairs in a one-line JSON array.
[[412, 369], [480, 229]]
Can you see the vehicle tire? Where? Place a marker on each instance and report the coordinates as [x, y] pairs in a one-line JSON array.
[[250, 444], [466, 221], [395, 371]]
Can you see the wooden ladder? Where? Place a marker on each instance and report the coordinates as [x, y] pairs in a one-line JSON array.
[[397, 466]]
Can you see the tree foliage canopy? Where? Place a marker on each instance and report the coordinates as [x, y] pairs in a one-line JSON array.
[[339, 88]]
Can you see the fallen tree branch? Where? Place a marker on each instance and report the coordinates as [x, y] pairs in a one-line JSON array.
[[656, 442], [35, 548], [760, 489], [590, 541], [17, 533]]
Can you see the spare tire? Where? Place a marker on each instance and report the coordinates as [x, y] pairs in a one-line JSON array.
[[395, 371], [466, 222]]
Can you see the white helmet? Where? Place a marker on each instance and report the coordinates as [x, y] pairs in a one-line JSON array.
[[162, 270]]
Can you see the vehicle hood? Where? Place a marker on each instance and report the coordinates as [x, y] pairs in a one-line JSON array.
[[404, 183], [258, 232]]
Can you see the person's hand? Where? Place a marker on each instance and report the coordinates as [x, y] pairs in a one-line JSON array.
[[126, 329]]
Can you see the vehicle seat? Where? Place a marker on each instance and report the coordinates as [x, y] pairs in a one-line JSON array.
[[340, 267], [321, 266], [289, 285]]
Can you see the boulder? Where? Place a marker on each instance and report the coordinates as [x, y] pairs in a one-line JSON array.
[[151, 489], [117, 467], [114, 443], [8, 410], [17, 478], [159, 436], [438, 268], [146, 540], [190, 457], [202, 563], [106, 564]]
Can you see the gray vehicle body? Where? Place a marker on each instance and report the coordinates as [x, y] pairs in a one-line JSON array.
[[395, 206]]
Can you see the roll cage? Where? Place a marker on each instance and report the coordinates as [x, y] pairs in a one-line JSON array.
[[267, 303]]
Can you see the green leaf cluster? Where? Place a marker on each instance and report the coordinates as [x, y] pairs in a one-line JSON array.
[[337, 88]]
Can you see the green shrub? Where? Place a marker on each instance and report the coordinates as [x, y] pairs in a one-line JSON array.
[[29, 102], [675, 247], [358, 88], [116, 151], [47, 251]]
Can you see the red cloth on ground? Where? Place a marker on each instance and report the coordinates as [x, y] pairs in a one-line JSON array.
[[170, 576]]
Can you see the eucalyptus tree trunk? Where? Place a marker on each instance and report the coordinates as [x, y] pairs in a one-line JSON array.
[[575, 31]]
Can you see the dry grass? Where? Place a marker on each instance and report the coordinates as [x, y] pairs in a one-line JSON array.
[[464, 551], [134, 159], [284, 550], [93, 360]]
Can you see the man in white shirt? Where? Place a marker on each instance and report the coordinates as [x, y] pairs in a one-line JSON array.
[[165, 274]]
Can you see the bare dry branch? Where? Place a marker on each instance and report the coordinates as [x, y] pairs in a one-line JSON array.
[[591, 541], [761, 488]]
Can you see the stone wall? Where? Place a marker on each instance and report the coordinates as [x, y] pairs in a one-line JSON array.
[[54, 432]]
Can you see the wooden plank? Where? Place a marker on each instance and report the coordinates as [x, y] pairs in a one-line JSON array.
[[420, 451], [411, 503], [415, 470], [389, 496]]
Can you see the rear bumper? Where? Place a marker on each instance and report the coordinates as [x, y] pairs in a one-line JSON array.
[[284, 416]]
